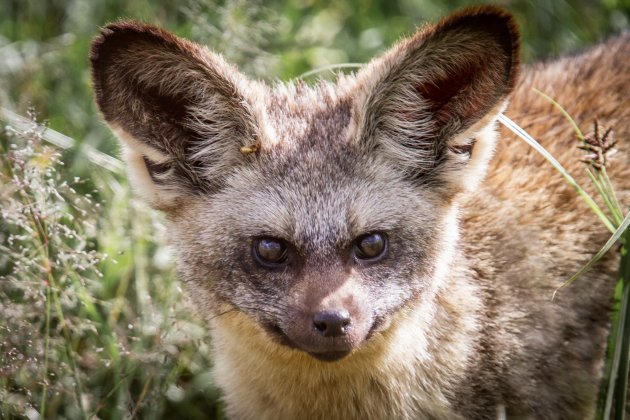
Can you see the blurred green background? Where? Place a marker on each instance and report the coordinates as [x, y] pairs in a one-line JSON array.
[[92, 319]]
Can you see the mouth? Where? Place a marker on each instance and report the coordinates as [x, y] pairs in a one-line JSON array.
[[332, 355]]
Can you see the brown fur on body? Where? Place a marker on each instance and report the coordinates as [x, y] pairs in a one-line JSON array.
[[456, 319], [535, 232]]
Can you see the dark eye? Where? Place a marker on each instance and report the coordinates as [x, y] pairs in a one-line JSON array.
[[371, 246], [270, 251]]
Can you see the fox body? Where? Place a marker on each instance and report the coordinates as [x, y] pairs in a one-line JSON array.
[[354, 246]]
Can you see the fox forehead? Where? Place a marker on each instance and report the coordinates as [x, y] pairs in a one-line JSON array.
[[318, 198], [296, 115]]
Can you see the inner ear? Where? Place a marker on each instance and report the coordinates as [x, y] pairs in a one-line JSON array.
[[440, 93]]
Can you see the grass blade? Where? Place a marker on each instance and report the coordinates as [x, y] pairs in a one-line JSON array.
[[534, 144], [611, 241], [61, 140], [330, 67], [577, 130], [614, 386], [621, 386], [602, 185], [616, 207]]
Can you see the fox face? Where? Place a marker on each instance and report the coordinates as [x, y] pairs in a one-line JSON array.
[[318, 212], [318, 263]]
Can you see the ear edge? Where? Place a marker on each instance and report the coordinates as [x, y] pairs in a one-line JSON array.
[[489, 16], [139, 160], [102, 45], [120, 36]]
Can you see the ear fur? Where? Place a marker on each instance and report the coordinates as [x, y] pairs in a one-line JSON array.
[[430, 102], [178, 108]]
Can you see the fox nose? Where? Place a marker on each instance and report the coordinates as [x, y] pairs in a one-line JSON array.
[[332, 323]]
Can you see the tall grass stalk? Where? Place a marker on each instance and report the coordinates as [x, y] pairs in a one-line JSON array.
[[613, 395], [42, 403]]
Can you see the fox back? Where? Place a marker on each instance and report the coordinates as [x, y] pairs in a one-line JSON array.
[[355, 248]]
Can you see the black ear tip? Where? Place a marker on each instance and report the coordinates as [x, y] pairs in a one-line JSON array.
[[491, 19], [116, 39], [119, 33], [107, 33], [483, 13], [498, 24]]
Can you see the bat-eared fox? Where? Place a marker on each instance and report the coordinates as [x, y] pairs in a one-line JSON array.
[[376, 247]]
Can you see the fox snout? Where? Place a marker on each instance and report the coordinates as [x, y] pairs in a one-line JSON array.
[[328, 322], [332, 323]]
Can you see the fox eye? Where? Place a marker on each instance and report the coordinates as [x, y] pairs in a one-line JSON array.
[[270, 252], [370, 247]]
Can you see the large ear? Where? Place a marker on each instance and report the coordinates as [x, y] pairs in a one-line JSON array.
[[429, 103], [179, 109]]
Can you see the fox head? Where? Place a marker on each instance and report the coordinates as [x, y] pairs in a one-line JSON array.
[[316, 213]]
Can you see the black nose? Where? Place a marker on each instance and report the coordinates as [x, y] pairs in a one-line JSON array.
[[332, 323]]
